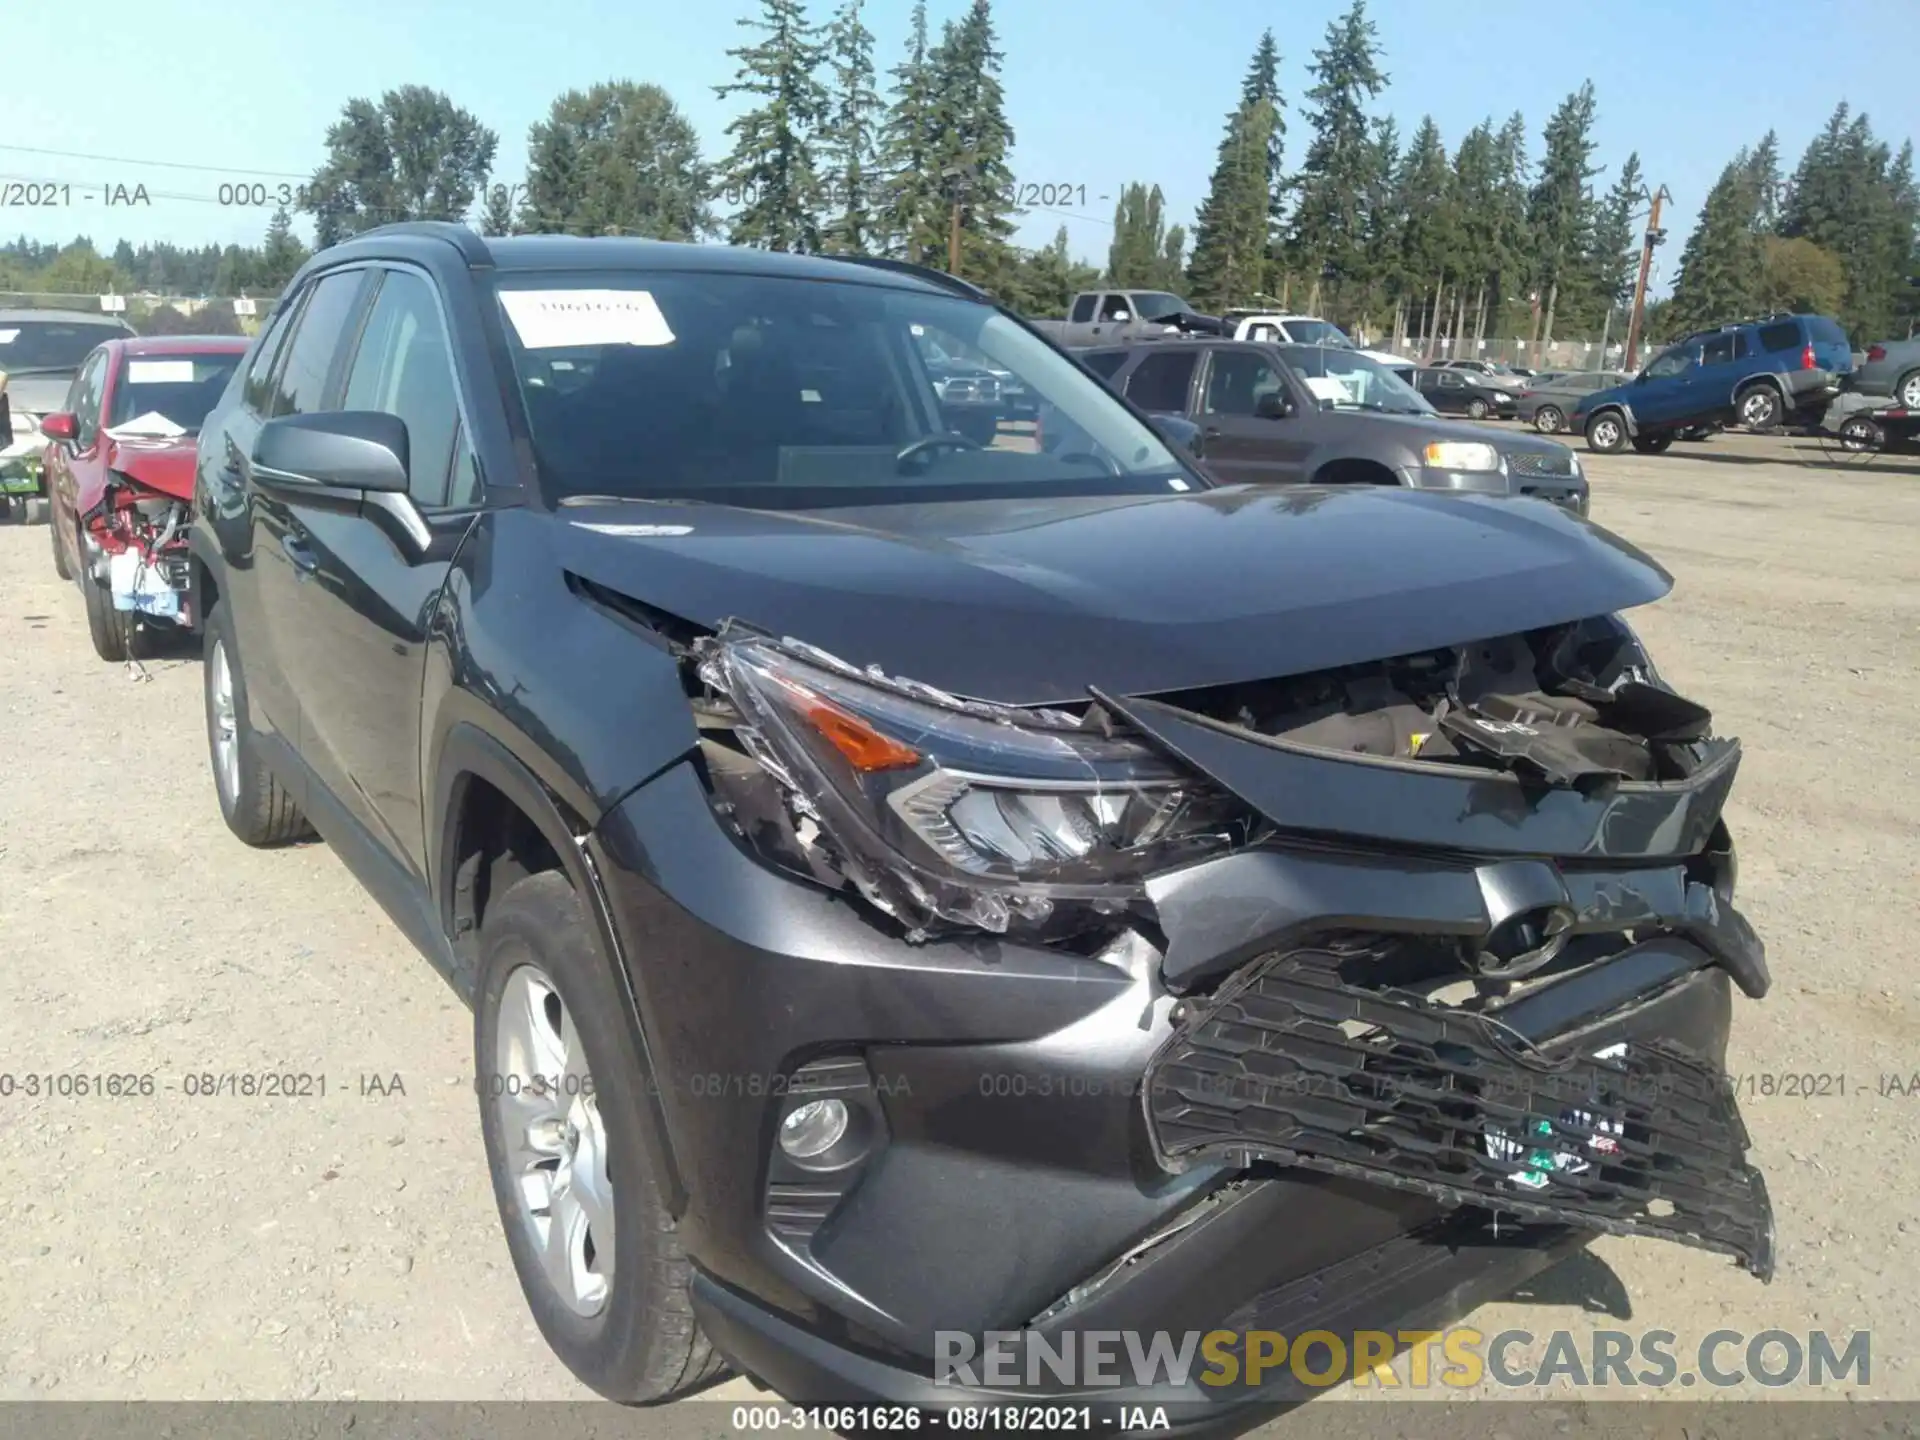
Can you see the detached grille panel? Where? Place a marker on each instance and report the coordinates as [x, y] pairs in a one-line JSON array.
[[1291, 1065], [1530, 462]]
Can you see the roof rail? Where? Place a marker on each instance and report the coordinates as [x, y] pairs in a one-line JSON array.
[[462, 237], [919, 272]]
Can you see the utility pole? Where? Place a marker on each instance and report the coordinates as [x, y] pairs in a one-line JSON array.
[[1655, 235]]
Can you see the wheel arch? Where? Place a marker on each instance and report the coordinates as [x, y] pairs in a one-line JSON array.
[[491, 820], [1617, 407], [1355, 470]]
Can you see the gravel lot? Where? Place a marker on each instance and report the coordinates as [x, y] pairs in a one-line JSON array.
[[345, 1245]]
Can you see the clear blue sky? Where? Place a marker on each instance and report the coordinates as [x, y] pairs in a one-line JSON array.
[[1100, 92]]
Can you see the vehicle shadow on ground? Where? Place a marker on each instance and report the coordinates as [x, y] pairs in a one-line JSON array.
[[1813, 455]]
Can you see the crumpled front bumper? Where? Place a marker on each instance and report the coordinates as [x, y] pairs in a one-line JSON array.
[[1173, 1133]]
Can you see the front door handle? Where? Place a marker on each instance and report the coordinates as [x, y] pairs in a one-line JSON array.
[[297, 552], [1212, 432]]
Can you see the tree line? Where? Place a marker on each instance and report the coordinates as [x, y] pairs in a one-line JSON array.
[[1388, 233]]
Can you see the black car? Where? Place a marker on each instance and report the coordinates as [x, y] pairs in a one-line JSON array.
[[1323, 414], [908, 889], [1465, 392]]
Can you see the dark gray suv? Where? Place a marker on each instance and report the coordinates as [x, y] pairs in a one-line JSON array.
[[1316, 414]]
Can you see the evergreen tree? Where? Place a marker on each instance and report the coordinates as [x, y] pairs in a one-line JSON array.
[[1386, 277], [1230, 239], [1139, 238], [413, 156], [619, 158], [1328, 224], [1560, 212], [1855, 200], [1429, 235], [1044, 281], [1720, 267], [1513, 263], [914, 218], [1763, 175], [772, 172], [1615, 263], [972, 141], [1171, 273], [848, 143], [281, 255], [496, 214], [1263, 84]]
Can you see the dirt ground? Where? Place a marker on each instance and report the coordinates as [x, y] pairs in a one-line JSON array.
[[168, 1245]]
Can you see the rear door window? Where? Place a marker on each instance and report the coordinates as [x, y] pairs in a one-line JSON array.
[[1717, 351], [1785, 335], [1106, 364], [1161, 381], [1083, 309]]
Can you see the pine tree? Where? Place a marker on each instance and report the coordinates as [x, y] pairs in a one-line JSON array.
[[1139, 233], [1230, 240], [1720, 267], [1386, 278], [772, 170], [1854, 199], [1763, 175], [1171, 273], [1513, 263], [913, 221], [496, 213], [617, 158], [1615, 263], [1429, 238], [280, 255], [1327, 232], [1476, 188], [1263, 84], [1043, 282], [972, 143], [1560, 211], [848, 142]]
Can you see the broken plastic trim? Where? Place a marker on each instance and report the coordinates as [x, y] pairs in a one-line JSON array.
[[1288, 1064]]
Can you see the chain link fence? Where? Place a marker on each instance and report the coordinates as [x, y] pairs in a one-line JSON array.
[[1557, 355], [152, 314]]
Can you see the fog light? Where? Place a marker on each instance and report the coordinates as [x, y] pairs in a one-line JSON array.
[[813, 1129]]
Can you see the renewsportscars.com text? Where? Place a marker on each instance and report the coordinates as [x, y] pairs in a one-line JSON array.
[[1460, 1358]]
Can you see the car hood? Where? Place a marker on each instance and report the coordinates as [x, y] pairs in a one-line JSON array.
[[1033, 601], [163, 465]]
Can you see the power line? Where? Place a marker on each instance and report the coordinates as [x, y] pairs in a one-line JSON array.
[[155, 164]]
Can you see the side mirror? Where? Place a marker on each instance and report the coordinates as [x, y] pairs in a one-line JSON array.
[[1274, 405], [362, 450], [60, 425]]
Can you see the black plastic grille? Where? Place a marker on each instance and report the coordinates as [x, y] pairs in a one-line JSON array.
[[1533, 462], [1292, 1065]]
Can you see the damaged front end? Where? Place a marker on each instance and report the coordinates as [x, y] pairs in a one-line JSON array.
[[1457, 922], [134, 543]]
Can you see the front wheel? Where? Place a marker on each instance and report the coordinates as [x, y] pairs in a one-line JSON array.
[[561, 1110], [1760, 408], [1476, 409], [1549, 420], [1607, 433], [116, 635], [1652, 444], [253, 802]]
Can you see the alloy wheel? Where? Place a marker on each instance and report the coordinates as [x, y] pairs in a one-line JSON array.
[[1910, 391], [226, 726], [1758, 408], [556, 1145], [1606, 433], [1548, 420]]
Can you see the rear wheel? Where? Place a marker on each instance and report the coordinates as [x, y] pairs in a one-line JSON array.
[[1549, 420], [1907, 392], [1652, 444], [1759, 408], [1862, 436], [1607, 432], [255, 805], [60, 565], [562, 1093]]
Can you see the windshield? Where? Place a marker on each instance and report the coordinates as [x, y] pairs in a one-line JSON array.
[[168, 394], [50, 344], [1158, 305], [1348, 380], [1318, 332], [783, 393]]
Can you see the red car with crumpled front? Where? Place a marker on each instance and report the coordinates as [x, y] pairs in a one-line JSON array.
[[119, 473]]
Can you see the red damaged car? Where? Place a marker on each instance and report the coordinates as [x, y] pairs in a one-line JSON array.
[[119, 473]]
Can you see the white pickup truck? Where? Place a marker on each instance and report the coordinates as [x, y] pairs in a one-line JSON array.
[[1299, 330]]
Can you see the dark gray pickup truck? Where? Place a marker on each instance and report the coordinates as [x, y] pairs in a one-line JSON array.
[[1310, 414]]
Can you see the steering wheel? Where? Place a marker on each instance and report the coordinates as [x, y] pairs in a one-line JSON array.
[[948, 439]]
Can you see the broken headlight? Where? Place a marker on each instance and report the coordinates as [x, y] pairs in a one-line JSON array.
[[940, 809]]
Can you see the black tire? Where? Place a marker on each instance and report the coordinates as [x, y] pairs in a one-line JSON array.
[[1759, 408], [1653, 444], [643, 1345], [1697, 432], [1476, 409], [1607, 432], [258, 810], [114, 633], [1906, 390], [60, 565], [1862, 436], [1549, 420]]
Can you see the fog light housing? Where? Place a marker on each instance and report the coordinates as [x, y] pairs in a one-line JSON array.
[[812, 1129]]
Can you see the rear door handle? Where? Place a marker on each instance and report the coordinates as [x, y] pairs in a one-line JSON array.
[[296, 551]]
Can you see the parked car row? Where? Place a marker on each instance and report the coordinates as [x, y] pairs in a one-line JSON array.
[[858, 842]]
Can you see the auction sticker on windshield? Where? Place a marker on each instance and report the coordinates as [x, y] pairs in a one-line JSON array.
[[160, 372], [555, 319], [7, 337]]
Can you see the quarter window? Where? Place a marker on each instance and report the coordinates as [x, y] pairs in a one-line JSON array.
[[1783, 336]]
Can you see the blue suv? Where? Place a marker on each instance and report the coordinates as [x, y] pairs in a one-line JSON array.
[[1755, 373]]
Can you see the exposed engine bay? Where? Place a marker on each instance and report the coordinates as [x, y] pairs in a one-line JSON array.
[[135, 541]]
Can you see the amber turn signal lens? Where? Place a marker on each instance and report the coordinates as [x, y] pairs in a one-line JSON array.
[[866, 748]]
